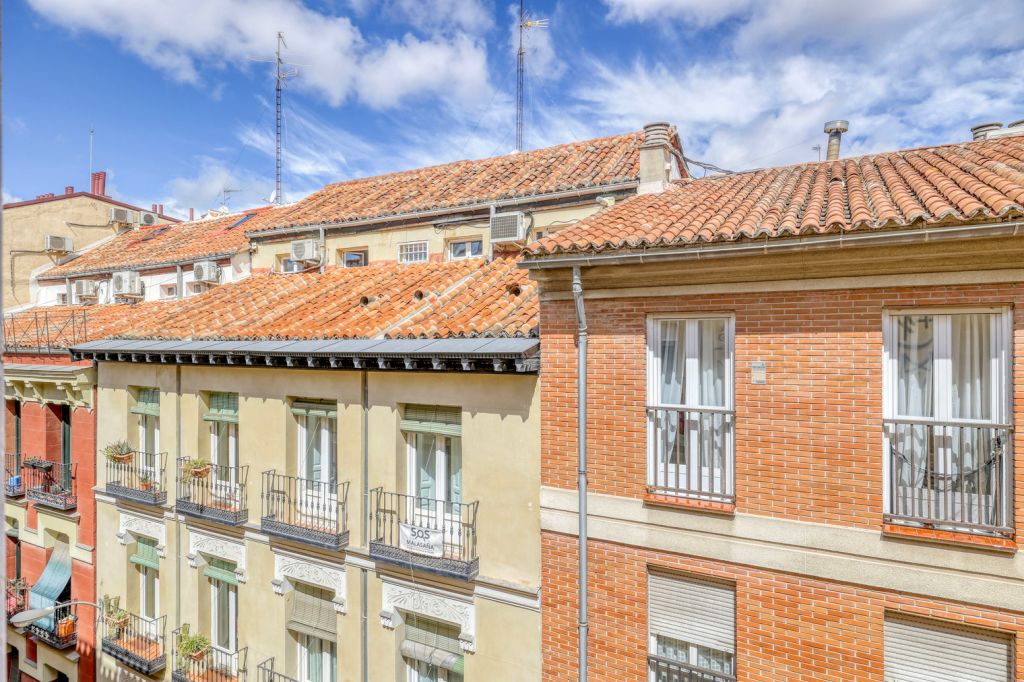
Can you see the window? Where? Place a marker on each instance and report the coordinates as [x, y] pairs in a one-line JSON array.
[[147, 564], [692, 628], [354, 259], [223, 418], [946, 408], [435, 466], [690, 407], [313, 620], [65, 444], [317, 465], [62, 299], [147, 411], [431, 650], [412, 252], [289, 265], [928, 650], [168, 291], [223, 605], [317, 660], [434, 444], [468, 248]]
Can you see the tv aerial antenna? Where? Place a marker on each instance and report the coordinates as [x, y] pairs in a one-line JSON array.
[[525, 24]]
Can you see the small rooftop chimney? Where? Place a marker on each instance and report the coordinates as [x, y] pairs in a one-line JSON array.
[[655, 158], [99, 183], [981, 131], [160, 209], [45, 196], [153, 208], [69, 189], [835, 130], [191, 214]]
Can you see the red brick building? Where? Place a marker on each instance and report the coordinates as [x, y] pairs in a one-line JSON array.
[[802, 389]]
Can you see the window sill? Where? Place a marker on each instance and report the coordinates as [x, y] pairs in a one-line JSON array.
[[660, 500], [947, 537]]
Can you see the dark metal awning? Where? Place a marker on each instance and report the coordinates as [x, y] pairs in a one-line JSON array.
[[472, 355]]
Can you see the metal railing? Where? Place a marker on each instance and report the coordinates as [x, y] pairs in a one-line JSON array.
[[135, 641], [425, 533], [14, 481], [217, 493], [265, 673], [301, 509], [667, 670], [691, 452], [211, 665], [51, 484], [139, 478], [43, 331], [951, 475], [16, 596], [59, 630]]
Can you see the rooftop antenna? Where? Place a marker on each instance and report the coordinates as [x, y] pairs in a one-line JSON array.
[[817, 148], [225, 195], [91, 131], [279, 76], [524, 24]]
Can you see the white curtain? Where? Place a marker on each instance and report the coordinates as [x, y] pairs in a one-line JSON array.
[[711, 363], [971, 398], [915, 372], [670, 453]]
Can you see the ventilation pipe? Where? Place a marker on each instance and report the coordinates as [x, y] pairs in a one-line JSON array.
[[191, 214], [982, 130], [581, 445], [655, 158], [835, 130]]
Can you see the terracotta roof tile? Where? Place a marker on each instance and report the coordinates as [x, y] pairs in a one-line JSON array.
[[902, 189]]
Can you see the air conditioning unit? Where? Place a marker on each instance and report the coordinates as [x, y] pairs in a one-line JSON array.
[[57, 244], [305, 250], [85, 290], [508, 227], [122, 216], [127, 283], [148, 219], [206, 271]]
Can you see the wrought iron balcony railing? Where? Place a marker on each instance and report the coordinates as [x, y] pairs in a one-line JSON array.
[[421, 532], [14, 481], [308, 511], [667, 670], [950, 475], [210, 665], [138, 477], [44, 331], [265, 673], [214, 492], [137, 642], [50, 484], [59, 630], [691, 453], [17, 595]]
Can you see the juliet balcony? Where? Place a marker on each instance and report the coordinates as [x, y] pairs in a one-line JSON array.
[[50, 484], [137, 477], [265, 673], [137, 642], [14, 481], [667, 670], [313, 512], [60, 629], [424, 533], [195, 660], [212, 491]]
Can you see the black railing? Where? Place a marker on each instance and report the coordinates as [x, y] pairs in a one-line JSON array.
[[667, 670], [950, 475], [213, 492], [138, 477], [425, 533], [44, 331], [14, 482], [17, 596], [59, 630], [265, 673], [137, 642], [51, 484], [308, 511], [209, 665]]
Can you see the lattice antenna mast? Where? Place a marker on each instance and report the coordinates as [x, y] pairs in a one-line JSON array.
[[525, 24], [280, 74]]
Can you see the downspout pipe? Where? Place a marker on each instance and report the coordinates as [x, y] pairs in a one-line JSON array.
[[581, 444], [364, 400]]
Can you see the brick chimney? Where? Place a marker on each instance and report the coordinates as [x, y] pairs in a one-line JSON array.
[[655, 158], [191, 214], [99, 183], [160, 209], [69, 189]]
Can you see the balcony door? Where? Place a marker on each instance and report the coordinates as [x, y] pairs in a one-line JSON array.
[[435, 481], [147, 409], [224, 616], [317, 465], [224, 446]]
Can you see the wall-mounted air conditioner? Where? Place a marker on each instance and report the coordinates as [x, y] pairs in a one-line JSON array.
[[56, 244], [147, 218], [206, 271], [85, 291], [305, 250], [127, 283], [123, 216], [508, 227]]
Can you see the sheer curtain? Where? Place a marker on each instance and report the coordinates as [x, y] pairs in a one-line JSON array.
[[671, 349], [711, 363], [971, 398], [915, 395]]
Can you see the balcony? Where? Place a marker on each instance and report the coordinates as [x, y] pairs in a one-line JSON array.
[[265, 673], [307, 511], [135, 641], [14, 482], [209, 665], [667, 670], [50, 484], [59, 630], [213, 492], [138, 477], [691, 453], [17, 596], [950, 475], [424, 533]]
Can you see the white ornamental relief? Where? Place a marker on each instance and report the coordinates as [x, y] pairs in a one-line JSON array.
[[313, 573], [132, 524], [222, 548], [438, 607]]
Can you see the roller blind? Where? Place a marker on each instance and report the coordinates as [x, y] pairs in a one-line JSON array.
[[219, 569], [311, 612], [315, 408], [146, 554], [439, 419], [223, 408], [694, 611], [148, 402], [917, 651], [432, 642]]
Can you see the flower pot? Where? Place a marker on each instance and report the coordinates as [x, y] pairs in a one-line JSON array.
[[201, 472], [148, 485], [66, 627], [198, 655], [122, 457]]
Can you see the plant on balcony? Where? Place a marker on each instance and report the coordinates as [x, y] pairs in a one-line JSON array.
[[38, 463], [145, 482], [198, 468], [119, 452], [193, 646]]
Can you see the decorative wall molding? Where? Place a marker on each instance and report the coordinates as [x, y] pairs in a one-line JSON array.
[[134, 524], [432, 605], [292, 567], [227, 549]]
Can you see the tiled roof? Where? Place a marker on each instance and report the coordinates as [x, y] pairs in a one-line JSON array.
[[66, 325], [470, 298], [152, 246], [903, 189], [578, 165]]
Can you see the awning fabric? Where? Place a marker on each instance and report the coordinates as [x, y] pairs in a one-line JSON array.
[[146, 554], [311, 612], [315, 408], [148, 402], [51, 583], [439, 419], [219, 569], [223, 408], [433, 642]]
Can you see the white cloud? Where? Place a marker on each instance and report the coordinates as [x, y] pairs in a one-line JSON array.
[[10, 198], [202, 191], [441, 15]]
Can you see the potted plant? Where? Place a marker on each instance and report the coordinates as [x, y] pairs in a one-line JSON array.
[[145, 482], [197, 468], [38, 463], [119, 452], [118, 618], [193, 646], [66, 626]]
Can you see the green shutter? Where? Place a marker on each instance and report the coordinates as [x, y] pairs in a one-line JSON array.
[[446, 421], [146, 554], [224, 571], [315, 408], [433, 642], [311, 612], [148, 402], [223, 408]]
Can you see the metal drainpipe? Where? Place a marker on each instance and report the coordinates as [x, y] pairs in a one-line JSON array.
[[365, 438], [581, 444], [179, 282], [177, 519], [323, 250]]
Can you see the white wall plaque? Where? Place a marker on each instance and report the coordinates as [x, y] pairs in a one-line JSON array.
[[758, 372]]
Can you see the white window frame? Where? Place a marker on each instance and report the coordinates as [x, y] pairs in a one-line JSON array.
[[414, 676], [144, 571], [225, 488], [467, 241], [365, 253], [144, 419], [168, 291], [445, 513], [328, 658], [408, 247], [311, 501], [216, 585], [442, 465]]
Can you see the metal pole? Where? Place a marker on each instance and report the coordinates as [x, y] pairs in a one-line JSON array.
[[520, 58], [279, 80], [581, 444], [363, 572]]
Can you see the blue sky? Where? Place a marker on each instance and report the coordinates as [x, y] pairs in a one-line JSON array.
[[181, 110]]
